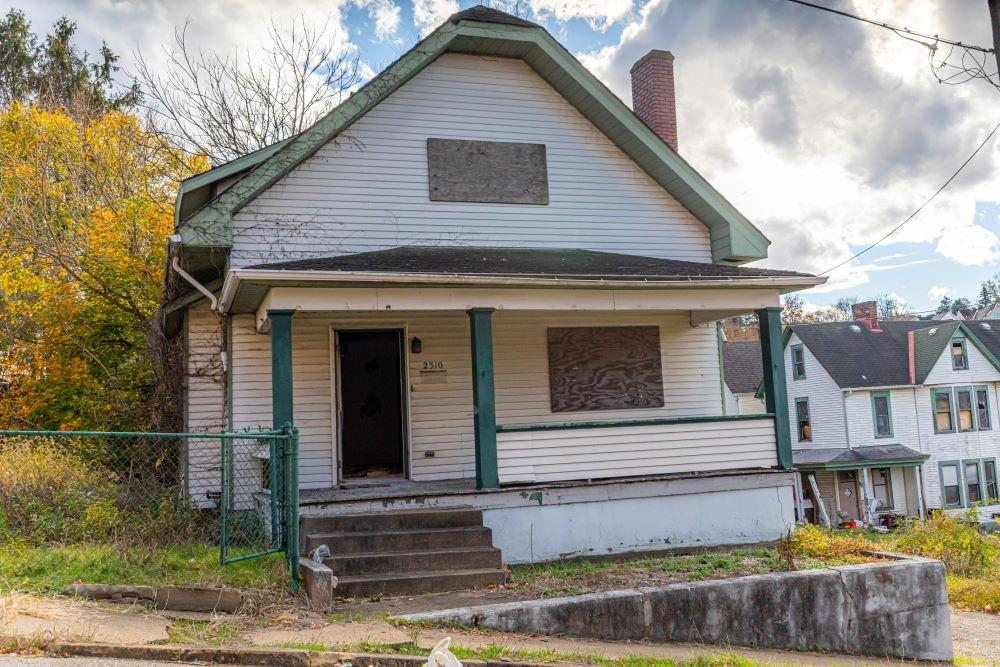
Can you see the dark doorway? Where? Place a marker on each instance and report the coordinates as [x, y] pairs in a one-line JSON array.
[[371, 399]]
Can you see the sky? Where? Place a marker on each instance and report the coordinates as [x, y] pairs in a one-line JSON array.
[[824, 131]]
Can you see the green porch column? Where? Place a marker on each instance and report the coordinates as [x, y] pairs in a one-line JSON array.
[[775, 391], [484, 398], [281, 367]]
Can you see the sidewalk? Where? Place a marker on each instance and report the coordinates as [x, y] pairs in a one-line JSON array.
[[43, 620]]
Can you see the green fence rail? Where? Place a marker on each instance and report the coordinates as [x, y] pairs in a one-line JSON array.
[[234, 489]]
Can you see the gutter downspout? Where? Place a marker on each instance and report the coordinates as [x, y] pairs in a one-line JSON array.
[[212, 299]]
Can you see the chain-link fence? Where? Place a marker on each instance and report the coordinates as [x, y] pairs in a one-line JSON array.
[[149, 489]]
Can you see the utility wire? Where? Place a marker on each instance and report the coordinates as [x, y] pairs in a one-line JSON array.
[[899, 30], [921, 207]]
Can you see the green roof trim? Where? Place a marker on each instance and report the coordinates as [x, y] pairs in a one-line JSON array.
[[733, 237]]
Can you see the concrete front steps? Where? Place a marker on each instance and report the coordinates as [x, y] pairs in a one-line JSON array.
[[406, 552]]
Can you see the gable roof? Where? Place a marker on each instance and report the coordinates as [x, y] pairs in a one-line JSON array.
[[483, 31], [742, 366], [856, 357]]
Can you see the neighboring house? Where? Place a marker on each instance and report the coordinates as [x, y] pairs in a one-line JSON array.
[[902, 413], [484, 282], [743, 372]]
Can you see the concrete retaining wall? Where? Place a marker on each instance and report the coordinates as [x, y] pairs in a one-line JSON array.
[[892, 608]]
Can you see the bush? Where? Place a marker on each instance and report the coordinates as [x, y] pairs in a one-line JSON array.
[[962, 548], [812, 541], [49, 494]]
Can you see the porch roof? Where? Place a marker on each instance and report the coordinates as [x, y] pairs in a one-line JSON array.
[[538, 263], [845, 458]]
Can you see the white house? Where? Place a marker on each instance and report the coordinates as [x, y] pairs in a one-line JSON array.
[[894, 417], [484, 282]]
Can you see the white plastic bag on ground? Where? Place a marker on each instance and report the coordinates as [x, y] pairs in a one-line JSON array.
[[441, 657]]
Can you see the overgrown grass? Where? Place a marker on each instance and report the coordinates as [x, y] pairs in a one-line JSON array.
[[49, 569], [506, 653], [972, 559], [211, 633], [584, 576]]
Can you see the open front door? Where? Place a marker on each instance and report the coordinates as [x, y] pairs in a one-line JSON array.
[[372, 435]]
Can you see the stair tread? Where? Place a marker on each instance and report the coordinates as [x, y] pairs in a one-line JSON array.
[[420, 574], [443, 510], [394, 531], [416, 552]]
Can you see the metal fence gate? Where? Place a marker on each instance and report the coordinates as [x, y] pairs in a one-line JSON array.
[[239, 490]]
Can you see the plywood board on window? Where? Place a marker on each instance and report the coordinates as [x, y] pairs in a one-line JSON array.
[[491, 172], [604, 368]]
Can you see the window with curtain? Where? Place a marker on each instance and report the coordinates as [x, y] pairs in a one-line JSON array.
[[882, 487], [882, 414], [951, 492]]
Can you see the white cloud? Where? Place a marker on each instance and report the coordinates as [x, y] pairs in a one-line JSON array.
[[969, 244], [599, 14], [385, 13], [937, 293], [825, 132], [429, 14]]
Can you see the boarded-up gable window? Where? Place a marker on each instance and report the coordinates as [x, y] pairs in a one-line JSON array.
[[605, 368]]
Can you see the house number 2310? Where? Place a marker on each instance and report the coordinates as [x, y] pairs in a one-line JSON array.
[[432, 366]]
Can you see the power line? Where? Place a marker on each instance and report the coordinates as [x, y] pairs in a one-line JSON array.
[[921, 207], [899, 30]]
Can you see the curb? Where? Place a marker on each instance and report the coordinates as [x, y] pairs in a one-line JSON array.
[[263, 657]]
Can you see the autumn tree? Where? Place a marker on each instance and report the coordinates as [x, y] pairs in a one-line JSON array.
[[85, 207]]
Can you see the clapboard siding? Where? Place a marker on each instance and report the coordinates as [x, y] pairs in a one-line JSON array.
[[251, 377], [205, 396], [826, 403], [368, 189], [861, 421], [441, 435], [596, 453], [980, 369]]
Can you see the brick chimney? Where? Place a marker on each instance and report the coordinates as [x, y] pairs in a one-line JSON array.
[[653, 94], [866, 314]]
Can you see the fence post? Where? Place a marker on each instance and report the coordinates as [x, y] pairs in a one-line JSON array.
[[292, 502], [227, 482]]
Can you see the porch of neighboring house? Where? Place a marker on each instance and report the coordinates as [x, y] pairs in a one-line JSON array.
[[561, 421], [863, 485]]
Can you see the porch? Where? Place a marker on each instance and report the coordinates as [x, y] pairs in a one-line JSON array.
[[863, 484], [503, 380]]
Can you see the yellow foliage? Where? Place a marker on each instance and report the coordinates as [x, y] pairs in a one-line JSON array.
[[815, 542], [85, 209]]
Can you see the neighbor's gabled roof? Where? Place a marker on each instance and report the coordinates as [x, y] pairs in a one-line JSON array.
[[484, 31], [856, 357], [742, 366]]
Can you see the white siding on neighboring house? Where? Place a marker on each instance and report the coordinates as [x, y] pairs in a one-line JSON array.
[[205, 402], [979, 370], [748, 404], [956, 446], [861, 421], [826, 404], [368, 189], [440, 404]]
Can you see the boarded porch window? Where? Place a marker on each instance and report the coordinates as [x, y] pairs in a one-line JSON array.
[[604, 368]]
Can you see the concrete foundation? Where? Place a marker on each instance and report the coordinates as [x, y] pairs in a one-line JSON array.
[[892, 608], [577, 519]]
